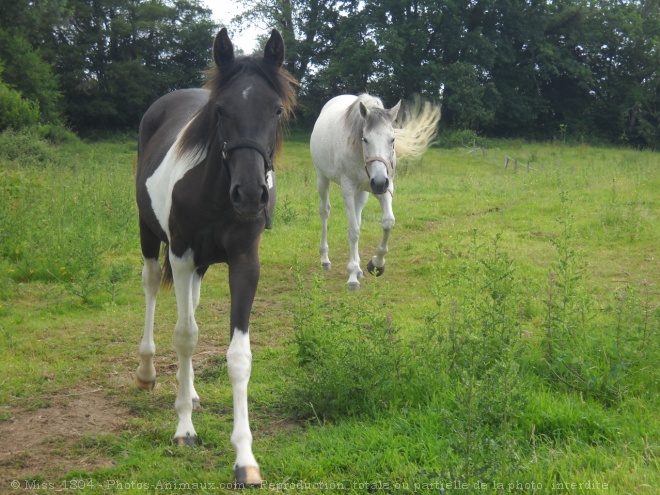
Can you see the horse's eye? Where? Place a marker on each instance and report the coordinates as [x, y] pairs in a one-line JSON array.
[[279, 111], [364, 140]]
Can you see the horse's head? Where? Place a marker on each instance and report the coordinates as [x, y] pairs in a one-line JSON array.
[[250, 103], [378, 145]]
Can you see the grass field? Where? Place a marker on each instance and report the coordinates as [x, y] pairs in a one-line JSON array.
[[512, 345]]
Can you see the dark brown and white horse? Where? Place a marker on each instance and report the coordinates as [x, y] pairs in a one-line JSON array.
[[206, 189]]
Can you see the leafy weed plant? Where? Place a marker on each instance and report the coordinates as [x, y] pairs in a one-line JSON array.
[[593, 356]]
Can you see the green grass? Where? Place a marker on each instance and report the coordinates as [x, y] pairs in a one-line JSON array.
[[510, 347]]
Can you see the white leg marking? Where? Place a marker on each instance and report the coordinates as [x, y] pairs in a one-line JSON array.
[[239, 365], [151, 274], [185, 340]]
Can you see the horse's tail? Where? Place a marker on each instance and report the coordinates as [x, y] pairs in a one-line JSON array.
[[416, 129], [167, 279]]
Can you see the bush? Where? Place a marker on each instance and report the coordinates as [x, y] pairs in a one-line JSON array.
[[25, 148], [352, 361], [57, 134], [16, 112]]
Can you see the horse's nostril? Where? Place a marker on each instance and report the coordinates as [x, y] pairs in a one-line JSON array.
[[235, 196], [265, 197]]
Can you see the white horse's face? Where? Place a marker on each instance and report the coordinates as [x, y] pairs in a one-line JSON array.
[[378, 146]]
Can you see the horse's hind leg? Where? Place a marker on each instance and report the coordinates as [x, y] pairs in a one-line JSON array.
[[145, 377], [376, 265], [323, 185], [196, 289]]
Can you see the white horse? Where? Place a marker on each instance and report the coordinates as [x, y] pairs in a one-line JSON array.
[[355, 143]]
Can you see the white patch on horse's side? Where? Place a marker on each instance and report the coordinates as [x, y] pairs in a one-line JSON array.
[[269, 179], [246, 92], [161, 184]]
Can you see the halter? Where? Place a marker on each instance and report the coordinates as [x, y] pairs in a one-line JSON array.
[[252, 144], [227, 147], [388, 164]]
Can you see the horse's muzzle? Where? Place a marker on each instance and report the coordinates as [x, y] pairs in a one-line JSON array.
[[249, 202], [379, 186]]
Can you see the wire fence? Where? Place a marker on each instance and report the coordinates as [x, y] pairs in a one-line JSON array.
[[500, 158]]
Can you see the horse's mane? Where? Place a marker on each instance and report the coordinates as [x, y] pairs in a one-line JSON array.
[[414, 128], [203, 124], [354, 121]]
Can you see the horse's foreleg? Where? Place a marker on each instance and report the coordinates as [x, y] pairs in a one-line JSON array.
[[376, 265], [353, 267], [185, 340], [243, 280], [323, 186], [145, 377]]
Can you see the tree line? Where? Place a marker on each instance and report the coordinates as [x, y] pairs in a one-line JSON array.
[[586, 69]]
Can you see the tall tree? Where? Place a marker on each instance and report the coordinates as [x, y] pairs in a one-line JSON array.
[[25, 27], [117, 56], [625, 60]]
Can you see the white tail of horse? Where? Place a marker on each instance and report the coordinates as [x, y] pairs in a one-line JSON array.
[[417, 126]]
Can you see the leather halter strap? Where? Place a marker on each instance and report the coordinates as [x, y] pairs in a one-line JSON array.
[[227, 147], [388, 165]]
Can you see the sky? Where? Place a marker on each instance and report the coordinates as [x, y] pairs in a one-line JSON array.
[[223, 12]]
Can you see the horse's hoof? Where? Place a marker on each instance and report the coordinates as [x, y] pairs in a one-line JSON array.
[[187, 441], [144, 385], [248, 476], [376, 271], [353, 285], [326, 266]]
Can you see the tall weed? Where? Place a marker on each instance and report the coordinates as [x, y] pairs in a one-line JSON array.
[[462, 365], [352, 361], [596, 355], [475, 342]]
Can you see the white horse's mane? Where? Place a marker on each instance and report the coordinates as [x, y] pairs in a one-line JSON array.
[[414, 128], [354, 121]]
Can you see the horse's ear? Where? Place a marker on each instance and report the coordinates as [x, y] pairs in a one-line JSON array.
[[394, 111], [274, 51], [223, 50], [364, 111]]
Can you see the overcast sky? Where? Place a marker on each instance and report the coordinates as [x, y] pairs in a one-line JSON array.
[[223, 12]]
